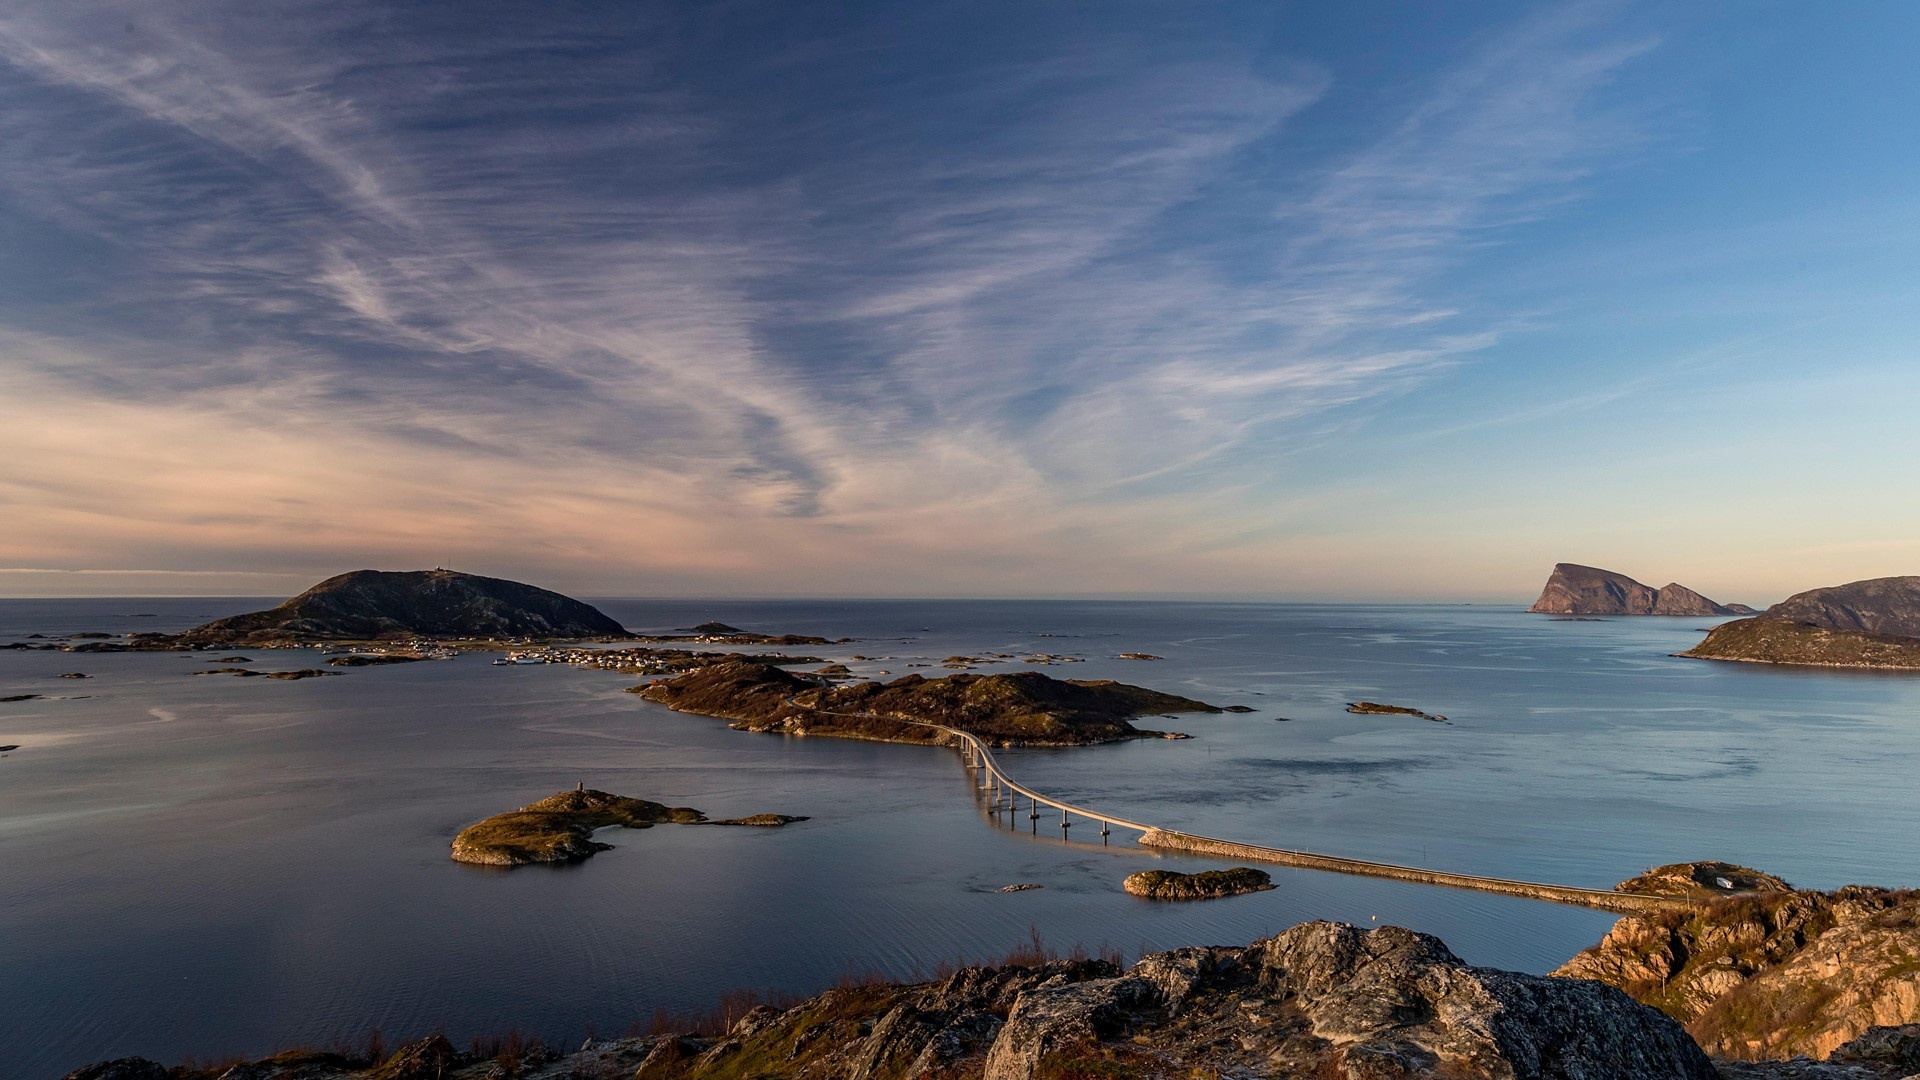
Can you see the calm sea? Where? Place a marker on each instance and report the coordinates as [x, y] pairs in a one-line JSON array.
[[202, 866]]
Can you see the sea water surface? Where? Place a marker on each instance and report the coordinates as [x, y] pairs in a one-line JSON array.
[[202, 865]]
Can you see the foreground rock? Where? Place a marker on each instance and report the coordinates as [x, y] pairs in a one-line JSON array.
[[1865, 624], [559, 828], [1573, 589], [1206, 885], [376, 605], [1771, 974], [1321, 1000], [1022, 708]]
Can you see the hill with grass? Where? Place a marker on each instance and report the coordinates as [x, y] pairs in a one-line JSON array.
[[1864, 624], [375, 605], [1021, 708]]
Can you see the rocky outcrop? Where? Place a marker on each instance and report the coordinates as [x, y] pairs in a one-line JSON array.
[[1702, 881], [1206, 885], [371, 605], [1772, 974], [1573, 589], [1321, 1000], [1018, 708]]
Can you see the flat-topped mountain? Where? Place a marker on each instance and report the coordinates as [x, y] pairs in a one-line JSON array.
[[1873, 623], [1573, 589], [369, 605]]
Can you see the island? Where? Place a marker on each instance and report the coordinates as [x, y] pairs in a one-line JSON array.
[[719, 633], [1374, 708], [1863, 624], [1206, 885], [1573, 589], [380, 605], [1020, 708], [1758, 969], [559, 828]]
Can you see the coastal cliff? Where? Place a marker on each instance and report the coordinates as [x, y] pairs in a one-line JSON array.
[[373, 605], [1573, 589], [1021, 708], [1773, 973], [1866, 624]]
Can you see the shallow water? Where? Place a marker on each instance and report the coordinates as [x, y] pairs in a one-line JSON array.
[[199, 866]]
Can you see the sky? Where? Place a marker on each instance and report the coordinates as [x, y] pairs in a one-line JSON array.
[[1370, 301]]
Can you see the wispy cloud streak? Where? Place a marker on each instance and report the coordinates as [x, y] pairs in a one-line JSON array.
[[544, 278]]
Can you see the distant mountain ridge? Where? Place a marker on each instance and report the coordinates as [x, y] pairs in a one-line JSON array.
[[375, 604], [1873, 623], [1573, 589]]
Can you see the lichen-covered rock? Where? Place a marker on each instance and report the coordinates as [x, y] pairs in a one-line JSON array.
[[431, 1058], [1772, 975]]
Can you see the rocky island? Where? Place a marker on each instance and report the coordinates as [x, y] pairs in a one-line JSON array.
[[1021, 708], [1864, 624], [379, 605], [1374, 708], [1573, 589], [719, 633], [1206, 885], [559, 828]]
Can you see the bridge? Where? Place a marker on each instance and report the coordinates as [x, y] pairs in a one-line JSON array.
[[1003, 795]]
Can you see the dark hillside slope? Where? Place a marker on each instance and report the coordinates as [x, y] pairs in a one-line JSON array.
[[374, 604]]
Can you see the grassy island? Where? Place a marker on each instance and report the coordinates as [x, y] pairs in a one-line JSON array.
[[1769, 640], [559, 828], [1020, 708], [1206, 885]]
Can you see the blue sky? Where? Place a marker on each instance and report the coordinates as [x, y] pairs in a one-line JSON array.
[[1357, 301]]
